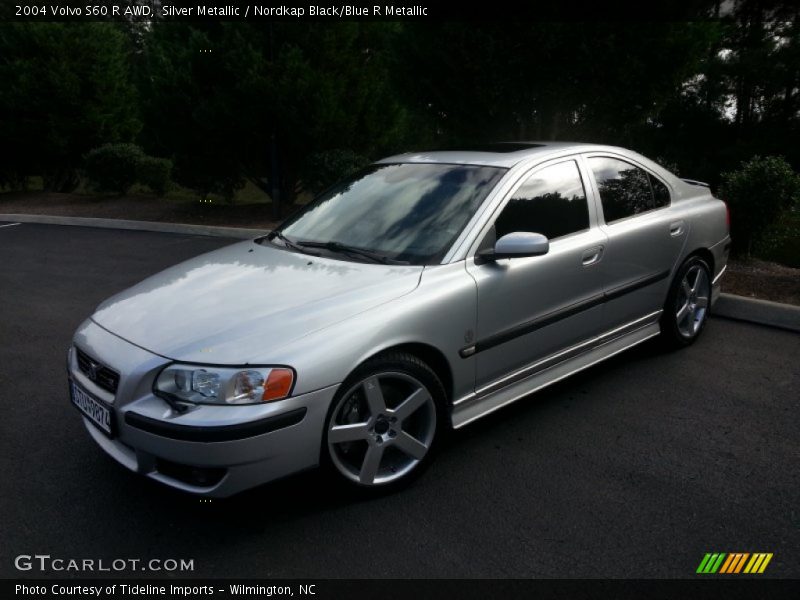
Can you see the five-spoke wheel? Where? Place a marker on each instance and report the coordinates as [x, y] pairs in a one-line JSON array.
[[383, 424], [689, 298], [692, 302]]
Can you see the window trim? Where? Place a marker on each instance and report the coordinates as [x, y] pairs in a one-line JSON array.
[[669, 192], [520, 181], [601, 213]]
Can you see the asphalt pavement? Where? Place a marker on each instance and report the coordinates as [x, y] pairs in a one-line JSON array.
[[634, 468]]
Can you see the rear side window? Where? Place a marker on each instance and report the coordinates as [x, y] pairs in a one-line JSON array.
[[660, 192], [552, 202], [626, 190]]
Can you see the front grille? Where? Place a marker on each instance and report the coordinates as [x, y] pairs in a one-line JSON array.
[[97, 372]]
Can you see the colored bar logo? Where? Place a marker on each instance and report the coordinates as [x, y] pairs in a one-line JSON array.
[[734, 562]]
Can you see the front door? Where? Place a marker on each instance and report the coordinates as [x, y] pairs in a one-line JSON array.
[[530, 308]]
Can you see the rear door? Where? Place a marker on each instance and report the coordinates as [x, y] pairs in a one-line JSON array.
[[644, 237], [530, 308]]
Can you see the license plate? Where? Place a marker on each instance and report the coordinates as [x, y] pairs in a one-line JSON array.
[[92, 408]]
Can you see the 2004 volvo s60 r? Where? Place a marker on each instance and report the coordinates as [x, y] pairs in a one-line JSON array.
[[420, 294]]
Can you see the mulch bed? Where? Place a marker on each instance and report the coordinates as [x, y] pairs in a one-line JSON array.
[[764, 280]]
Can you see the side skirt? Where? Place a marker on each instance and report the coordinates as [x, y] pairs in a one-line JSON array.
[[552, 369]]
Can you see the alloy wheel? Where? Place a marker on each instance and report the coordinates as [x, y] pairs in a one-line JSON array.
[[692, 301], [382, 428]]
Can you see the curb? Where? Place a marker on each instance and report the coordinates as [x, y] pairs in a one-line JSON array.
[[157, 226], [762, 312]]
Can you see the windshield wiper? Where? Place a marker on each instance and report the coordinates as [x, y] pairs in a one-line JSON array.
[[338, 247], [289, 243]]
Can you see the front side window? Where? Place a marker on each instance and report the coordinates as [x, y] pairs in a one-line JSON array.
[[410, 212], [552, 202], [626, 190]]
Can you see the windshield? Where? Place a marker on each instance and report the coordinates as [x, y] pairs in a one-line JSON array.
[[409, 212]]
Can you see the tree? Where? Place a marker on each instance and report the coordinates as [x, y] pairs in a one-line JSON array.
[[329, 88], [232, 101], [191, 81], [542, 80], [66, 89], [743, 98]]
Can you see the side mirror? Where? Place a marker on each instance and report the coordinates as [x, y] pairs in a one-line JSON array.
[[516, 245]]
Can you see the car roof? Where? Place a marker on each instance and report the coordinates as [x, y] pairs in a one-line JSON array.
[[498, 154]]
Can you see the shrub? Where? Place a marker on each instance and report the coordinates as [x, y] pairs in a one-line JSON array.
[[323, 169], [113, 167], [116, 167], [154, 173], [759, 193], [780, 242]]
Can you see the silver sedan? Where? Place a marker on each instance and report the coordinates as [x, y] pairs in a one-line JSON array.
[[419, 295]]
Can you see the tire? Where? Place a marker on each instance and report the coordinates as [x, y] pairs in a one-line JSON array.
[[688, 303], [379, 442]]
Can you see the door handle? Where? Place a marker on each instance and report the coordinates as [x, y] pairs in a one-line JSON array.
[[676, 228], [591, 256]]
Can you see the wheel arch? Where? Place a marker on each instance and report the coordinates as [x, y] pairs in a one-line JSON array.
[[428, 354], [671, 334], [430, 361], [703, 253]]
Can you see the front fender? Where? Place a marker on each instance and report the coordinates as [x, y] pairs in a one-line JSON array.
[[440, 313]]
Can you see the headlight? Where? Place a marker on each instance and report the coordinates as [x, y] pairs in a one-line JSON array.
[[219, 385]]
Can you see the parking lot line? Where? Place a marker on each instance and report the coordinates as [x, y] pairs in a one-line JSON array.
[[10, 225]]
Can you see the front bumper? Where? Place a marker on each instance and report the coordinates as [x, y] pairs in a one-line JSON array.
[[213, 451]]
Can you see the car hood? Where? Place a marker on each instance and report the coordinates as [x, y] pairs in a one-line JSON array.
[[232, 305]]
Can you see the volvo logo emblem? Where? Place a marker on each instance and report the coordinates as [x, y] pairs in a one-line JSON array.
[[93, 368]]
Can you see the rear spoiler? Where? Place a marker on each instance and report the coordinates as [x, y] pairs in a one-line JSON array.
[[695, 182]]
